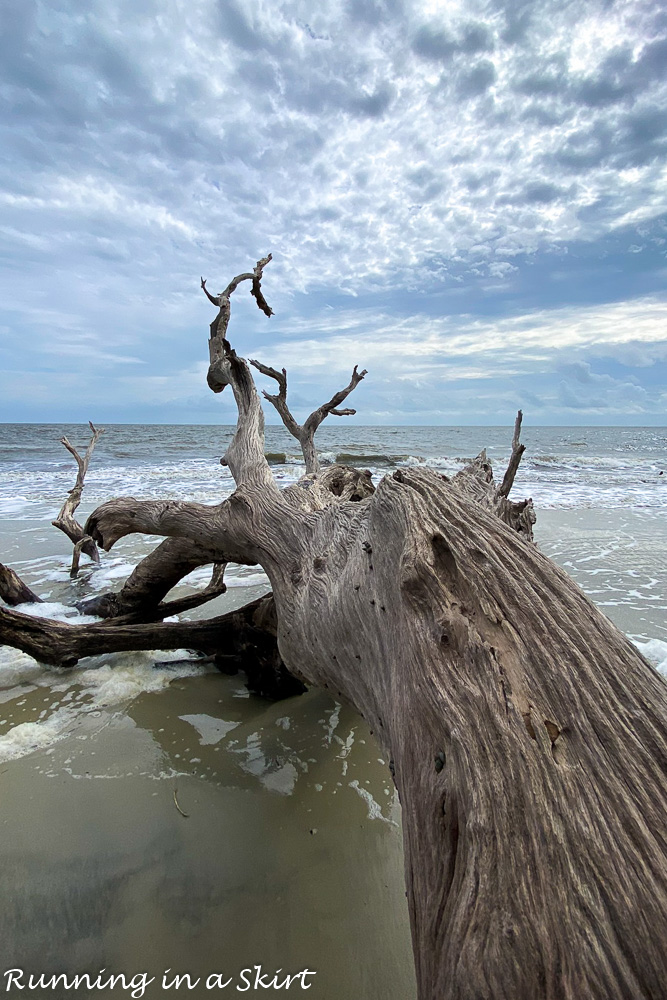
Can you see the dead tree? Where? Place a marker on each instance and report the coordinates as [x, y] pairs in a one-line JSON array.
[[66, 520], [528, 737], [305, 433]]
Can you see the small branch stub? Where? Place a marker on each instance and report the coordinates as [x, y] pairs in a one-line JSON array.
[[13, 590]]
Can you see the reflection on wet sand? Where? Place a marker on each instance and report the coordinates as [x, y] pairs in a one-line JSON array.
[[290, 855]]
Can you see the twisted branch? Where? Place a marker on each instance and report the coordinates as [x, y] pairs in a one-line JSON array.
[[305, 433], [66, 521], [245, 455]]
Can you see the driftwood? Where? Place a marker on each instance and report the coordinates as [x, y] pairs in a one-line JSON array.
[[305, 433], [145, 589], [476, 480], [527, 735], [66, 521], [13, 590], [239, 640]]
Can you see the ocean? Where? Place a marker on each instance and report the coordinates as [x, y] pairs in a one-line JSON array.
[[290, 853]]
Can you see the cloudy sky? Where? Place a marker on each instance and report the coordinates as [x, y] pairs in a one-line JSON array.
[[468, 199]]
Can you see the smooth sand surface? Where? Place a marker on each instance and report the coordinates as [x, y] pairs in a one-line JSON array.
[[279, 862]]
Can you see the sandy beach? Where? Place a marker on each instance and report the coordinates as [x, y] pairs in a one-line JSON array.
[[290, 855]]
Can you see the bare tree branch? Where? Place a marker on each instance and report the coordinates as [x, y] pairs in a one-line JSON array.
[[151, 580], [86, 543], [245, 455], [476, 480], [515, 458], [165, 609], [280, 401], [63, 644], [195, 522], [66, 521], [221, 322], [305, 433], [318, 415]]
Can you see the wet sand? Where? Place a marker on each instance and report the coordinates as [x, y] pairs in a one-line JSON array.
[[290, 856]]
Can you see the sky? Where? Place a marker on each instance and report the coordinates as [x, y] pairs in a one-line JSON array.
[[468, 199]]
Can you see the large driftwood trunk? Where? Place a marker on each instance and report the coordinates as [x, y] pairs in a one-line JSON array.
[[528, 737]]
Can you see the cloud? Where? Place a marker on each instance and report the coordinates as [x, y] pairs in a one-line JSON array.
[[602, 392], [434, 43], [386, 150], [477, 80]]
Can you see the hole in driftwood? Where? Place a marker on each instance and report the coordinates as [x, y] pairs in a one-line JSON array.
[[528, 722], [552, 729]]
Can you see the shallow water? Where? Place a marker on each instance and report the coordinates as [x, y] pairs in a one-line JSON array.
[[290, 854]]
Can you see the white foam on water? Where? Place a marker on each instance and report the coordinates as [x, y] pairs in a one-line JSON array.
[[57, 611], [330, 729], [655, 651], [105, 682], [446, 465], [121, 677], [235, 576], [14, 505], [110, 570], [246, 576], [17, 669], [374, 808], [201, 576], [30, 736]]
